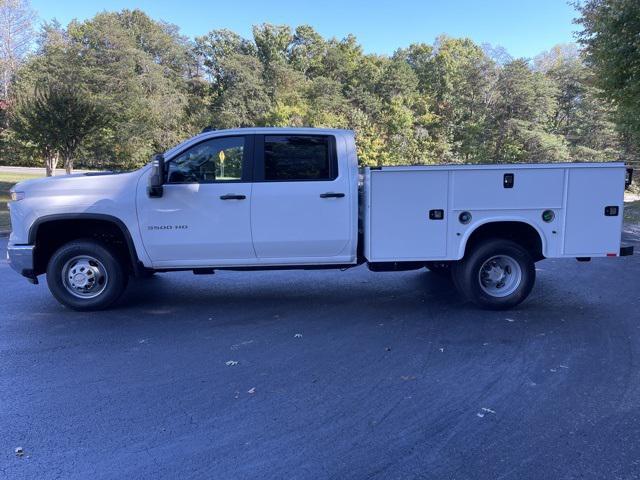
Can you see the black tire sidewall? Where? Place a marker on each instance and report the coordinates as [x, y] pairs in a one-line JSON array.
[[466, 273], [117, 275]]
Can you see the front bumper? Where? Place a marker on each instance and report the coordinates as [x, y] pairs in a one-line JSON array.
[[21, 260]]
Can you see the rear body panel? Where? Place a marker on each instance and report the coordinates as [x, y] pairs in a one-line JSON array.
[[398, 201]]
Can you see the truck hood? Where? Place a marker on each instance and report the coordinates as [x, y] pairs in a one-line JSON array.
[[34, 182], [77, 181]]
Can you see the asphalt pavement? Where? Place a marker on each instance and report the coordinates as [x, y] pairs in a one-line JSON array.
[[325, 375]]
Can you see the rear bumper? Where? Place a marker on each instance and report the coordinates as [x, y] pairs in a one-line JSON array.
[[626, 250], [21, 260]]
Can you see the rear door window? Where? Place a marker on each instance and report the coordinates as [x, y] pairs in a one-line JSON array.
[[299, 158]]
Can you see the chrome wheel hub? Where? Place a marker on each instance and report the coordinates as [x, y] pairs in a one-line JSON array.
[[500, 276], [84, 276]]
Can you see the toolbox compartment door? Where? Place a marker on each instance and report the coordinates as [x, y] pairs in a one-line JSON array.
[[589, 231], [400, 225], [532, 188]]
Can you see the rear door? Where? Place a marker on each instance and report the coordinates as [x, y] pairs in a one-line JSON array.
[[300, 206]]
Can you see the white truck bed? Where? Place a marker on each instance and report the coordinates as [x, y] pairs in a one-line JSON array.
[[398, 200]]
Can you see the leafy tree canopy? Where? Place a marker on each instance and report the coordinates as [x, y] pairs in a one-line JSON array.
[[449, 101]]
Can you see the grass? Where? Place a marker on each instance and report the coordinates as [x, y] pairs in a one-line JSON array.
[[8, 180]]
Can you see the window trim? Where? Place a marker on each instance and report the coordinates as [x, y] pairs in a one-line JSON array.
[[247, 161], [259, 169]]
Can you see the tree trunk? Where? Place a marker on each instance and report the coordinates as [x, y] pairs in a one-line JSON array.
[[51, 162], [68, 165]]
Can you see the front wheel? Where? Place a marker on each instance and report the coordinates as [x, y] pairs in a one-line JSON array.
[[85, 275], [496, 275]]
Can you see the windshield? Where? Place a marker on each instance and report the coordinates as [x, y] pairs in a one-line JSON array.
[[178, 147]]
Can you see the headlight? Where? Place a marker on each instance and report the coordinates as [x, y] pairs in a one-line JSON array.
[[15, 196]]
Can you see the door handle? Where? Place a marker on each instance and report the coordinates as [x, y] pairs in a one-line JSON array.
[[231, 196], [331, 195]]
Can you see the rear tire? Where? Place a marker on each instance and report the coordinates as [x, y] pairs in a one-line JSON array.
[[85, 275], [497, 275]]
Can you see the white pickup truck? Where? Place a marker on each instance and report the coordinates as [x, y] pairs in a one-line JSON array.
[[266, 198]]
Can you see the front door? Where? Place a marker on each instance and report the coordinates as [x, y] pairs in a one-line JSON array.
[[203, 217], [301, 205]]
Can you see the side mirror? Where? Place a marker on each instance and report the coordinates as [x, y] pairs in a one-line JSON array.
[[156, 179]]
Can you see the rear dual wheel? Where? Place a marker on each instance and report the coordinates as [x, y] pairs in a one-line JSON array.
[[497, 274]]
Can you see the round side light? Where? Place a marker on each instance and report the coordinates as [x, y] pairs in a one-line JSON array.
[[548, 216], [464, 217]]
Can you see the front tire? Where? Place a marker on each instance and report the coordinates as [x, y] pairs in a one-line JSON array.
[[86, 275], [497, 275]]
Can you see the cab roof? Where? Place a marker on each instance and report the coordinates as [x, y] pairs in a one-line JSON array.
[[257, 131]]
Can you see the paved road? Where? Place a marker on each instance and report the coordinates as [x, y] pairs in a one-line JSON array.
[[341, 375]]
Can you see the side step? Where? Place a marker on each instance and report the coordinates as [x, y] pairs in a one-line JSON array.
[[203, 271], [394, 266]]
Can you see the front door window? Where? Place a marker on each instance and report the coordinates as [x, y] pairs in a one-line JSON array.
[[215, 160]]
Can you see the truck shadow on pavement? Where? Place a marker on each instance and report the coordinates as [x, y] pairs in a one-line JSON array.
[[357, 296], [307, 290]]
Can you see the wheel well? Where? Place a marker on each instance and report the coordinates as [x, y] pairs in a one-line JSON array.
[[519, 232], [50, 235]]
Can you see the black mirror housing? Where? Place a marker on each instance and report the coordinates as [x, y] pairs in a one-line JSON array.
[[156, 179]]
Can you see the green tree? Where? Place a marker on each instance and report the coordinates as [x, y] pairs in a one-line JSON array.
[[216, 46], [16, 34], [130, 65], [450, 101], [611, 29], [459, 79], [242, 99], [582, 117], [56, 119], [525, 106], [307, 51]]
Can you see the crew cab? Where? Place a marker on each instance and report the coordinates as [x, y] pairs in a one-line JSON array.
[[285, 198]]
